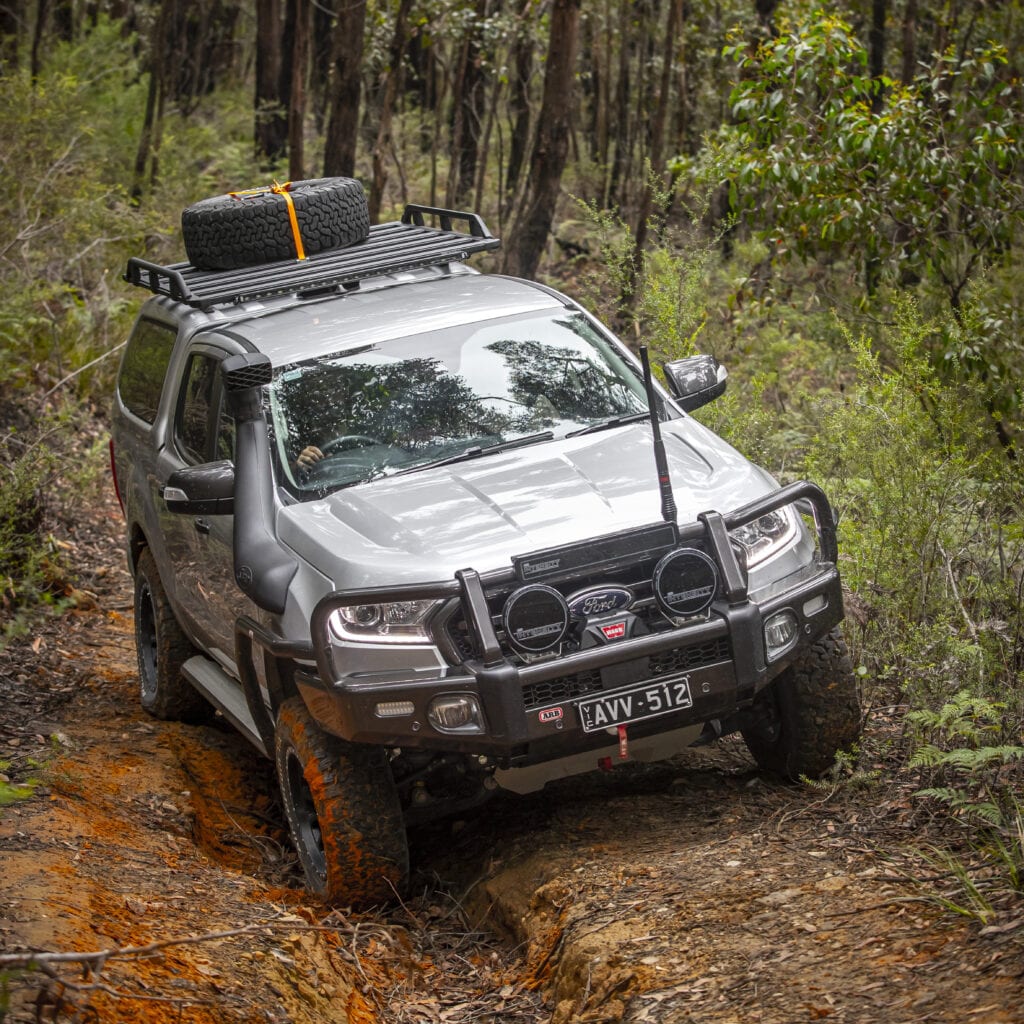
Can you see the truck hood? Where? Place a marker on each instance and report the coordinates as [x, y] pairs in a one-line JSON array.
[[424, 526]]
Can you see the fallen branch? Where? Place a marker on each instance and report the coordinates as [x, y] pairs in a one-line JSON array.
[[101, 956]]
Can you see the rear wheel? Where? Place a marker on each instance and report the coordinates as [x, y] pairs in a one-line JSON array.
[[343, 811], [808, 714], [162, 648]]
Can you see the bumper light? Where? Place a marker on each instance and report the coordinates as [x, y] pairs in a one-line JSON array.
[[456, 713], [780, 633], [394, 709]]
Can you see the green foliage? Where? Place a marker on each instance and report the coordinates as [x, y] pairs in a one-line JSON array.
[[962, 766], [930, 524], [923, 177], [659, 296], [26, 555], [11, 793], [64, 151], [916, 182]]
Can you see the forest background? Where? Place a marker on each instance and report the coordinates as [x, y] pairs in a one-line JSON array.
[[831, 202]]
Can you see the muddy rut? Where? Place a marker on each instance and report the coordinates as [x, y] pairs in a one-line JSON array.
[[691, 891]]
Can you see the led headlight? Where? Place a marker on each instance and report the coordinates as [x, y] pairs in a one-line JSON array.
[[402, 622], [766, 536]]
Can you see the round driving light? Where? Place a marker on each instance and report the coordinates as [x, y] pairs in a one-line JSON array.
[[685, 582], [536, 619]]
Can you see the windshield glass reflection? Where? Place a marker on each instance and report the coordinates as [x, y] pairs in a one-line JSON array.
[[369, 412]]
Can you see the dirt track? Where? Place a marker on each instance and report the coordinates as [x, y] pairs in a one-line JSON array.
[[695, 891]]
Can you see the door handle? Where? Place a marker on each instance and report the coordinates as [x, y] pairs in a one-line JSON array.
[[201, 525]]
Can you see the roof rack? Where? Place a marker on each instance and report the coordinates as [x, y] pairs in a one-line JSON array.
[[390, 248]]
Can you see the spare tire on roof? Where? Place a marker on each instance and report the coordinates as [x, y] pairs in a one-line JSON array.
[[241, 229]]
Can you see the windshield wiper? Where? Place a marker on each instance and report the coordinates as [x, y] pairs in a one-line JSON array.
[[615, 421], [477, 450]]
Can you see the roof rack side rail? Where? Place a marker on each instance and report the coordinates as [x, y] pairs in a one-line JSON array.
[[148, 275], [414, 214]]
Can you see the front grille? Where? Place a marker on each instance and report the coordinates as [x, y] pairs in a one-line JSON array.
[[679, 659], [560, 690], [683, 659]]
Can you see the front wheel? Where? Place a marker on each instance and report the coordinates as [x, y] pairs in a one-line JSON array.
[[808, 714], [343, 811]]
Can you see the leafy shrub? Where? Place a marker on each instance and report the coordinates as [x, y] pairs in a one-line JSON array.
[[931, 533]]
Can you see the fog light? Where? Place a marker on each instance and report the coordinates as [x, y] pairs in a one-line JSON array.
[[456, 713], [780, 633], [394, 708]]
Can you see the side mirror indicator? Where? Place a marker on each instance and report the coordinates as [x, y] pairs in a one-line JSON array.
[[206, 490]]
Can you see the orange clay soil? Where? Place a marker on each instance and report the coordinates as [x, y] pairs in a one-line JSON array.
[[695, 892]]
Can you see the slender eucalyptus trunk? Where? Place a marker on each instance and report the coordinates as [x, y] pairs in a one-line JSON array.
[[343, 112], [533, 223]]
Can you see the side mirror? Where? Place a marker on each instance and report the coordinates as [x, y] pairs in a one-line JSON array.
[[696, 380], [206, 490]]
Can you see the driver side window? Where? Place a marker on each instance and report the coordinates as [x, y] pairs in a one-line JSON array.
[[203, 430]]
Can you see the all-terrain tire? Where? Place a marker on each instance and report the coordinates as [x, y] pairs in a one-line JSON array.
[[809, 713], [162, 649], [242, 229], [343, 810]]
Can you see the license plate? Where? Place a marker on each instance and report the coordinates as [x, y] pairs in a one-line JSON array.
[[635, 704]]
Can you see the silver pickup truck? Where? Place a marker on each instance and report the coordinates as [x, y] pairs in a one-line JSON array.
[[421, 533]]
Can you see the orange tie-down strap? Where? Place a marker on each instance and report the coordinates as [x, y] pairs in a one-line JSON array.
[[279, 190]]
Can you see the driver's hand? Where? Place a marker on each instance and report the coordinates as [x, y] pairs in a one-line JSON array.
[[309, 456]]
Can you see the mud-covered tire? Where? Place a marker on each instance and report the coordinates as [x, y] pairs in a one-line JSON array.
[[241, 230], [162, 649], [808, 714], [343, 811]]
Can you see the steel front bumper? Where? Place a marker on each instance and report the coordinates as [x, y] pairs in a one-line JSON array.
[[730, 669]]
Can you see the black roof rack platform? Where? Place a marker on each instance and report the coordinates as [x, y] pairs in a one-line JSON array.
[[391, 248]]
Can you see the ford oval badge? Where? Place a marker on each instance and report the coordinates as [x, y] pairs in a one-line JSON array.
[[600, 601]]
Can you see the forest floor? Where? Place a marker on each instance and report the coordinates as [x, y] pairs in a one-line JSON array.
[[152, 860]]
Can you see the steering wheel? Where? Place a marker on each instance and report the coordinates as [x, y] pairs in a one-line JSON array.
[[343, 442]]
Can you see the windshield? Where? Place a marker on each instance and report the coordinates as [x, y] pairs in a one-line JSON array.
[[455, 393]]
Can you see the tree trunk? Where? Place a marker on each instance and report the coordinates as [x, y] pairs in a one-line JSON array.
[[627, 42], [533, 223], [12, 12], [909, 69], [320, 64], [518, 109], [391, 89], [343, 112], [39, 30], [657, 141], [485, 143], [876, 50], [64, 20], [300, 16], [271, 121], [150, 135], [466, 104]]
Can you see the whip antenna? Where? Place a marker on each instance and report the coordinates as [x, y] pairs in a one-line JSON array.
[[668, 504]]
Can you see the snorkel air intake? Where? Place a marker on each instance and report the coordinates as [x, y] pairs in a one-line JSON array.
[[263, 570]]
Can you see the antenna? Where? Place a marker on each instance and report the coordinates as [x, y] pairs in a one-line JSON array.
[[668, 504]]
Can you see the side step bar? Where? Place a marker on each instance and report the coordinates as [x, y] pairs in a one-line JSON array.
[[225, 694]]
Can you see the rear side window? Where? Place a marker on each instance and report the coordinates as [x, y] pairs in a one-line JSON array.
[[144, 368]]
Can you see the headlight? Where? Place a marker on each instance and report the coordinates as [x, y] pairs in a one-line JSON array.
[[403, 622], [766, 536]]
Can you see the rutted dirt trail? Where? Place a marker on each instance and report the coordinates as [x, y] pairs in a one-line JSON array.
[[695, 891]]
